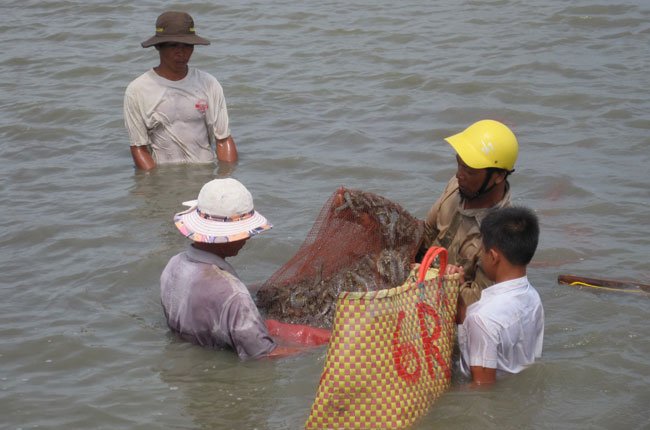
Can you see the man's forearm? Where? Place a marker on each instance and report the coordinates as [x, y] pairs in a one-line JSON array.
[[483, 375], [142, 158], [227, 150]]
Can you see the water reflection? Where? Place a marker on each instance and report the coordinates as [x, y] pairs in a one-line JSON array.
[[219, 391]]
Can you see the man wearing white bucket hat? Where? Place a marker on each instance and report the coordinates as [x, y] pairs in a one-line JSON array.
[[202, 297]]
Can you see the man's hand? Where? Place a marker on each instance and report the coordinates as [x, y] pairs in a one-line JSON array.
[[451, 270], [285, 351]]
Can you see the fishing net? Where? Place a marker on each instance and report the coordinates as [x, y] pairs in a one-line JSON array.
[[360, 242], [389, 355]]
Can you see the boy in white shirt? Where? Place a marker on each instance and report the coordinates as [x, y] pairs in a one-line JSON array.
[[504, 331]]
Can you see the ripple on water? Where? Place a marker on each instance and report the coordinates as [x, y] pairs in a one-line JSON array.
[[321, 95]]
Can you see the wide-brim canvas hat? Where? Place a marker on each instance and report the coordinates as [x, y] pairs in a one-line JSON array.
[[223, 212], [177, 27]]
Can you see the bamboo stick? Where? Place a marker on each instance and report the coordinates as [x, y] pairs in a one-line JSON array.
[[611, 284]]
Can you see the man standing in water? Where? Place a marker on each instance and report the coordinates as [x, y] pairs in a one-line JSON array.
[[486, 153], [173, 111], [203, 299]]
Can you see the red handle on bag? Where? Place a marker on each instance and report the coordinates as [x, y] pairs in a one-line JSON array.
[[429, 257]]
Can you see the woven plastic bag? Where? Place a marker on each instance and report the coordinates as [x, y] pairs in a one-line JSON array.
[[389, 356]]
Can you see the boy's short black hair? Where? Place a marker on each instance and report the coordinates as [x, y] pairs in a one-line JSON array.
[[514, 231]]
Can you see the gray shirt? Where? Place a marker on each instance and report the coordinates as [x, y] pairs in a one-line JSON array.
[[205, 302], [178, 119]]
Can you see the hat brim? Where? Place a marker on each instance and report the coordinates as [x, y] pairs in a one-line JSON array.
[[467, 152], [199, 229], [190, 39]]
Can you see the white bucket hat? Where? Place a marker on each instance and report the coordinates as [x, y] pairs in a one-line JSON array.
[[223, 213]]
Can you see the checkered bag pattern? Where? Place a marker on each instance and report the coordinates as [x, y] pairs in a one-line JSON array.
[[389, 356]]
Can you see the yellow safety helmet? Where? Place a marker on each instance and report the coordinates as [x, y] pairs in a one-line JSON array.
[[486, 143]]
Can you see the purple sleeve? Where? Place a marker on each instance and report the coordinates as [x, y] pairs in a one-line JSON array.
[[248, 333]]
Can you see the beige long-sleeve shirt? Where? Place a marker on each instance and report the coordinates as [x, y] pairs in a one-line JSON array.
[[451, 226]]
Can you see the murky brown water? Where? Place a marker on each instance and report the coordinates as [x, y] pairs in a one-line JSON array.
[[321, 94]]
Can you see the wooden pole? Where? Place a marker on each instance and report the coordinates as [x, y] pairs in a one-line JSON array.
[[611, 284]]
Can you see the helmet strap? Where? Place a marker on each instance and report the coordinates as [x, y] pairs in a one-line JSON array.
[[484, 187]]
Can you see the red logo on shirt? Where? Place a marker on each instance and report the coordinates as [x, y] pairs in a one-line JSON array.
[[201, 106]]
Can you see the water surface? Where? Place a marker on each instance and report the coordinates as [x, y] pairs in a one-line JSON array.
[[320, 94]]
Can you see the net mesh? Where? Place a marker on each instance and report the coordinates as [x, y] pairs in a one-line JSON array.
[[360, 242]]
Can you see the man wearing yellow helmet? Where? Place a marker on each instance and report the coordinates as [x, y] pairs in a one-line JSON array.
[[486, 153]]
